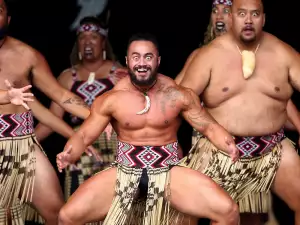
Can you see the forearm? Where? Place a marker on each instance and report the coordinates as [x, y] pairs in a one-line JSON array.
[[43, 130], [74, 105], [4, 98], [78, 145]]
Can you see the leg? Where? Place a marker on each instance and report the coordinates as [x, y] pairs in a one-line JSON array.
[[91, 201], [47, 193], [287, 180], [197, 195]]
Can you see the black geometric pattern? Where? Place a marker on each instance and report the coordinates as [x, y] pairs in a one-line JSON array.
[[13, 125], [257, 146], [147, 156]]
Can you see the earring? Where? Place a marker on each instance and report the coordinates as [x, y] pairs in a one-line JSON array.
[[104, 54], [79, 56]]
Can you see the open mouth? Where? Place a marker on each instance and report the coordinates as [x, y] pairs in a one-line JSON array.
[[88, 51], [220, 26]]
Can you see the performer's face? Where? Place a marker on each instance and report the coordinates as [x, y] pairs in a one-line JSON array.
[[248, 19], [90, 45], [4, 19], [142, 61], [221, 19]]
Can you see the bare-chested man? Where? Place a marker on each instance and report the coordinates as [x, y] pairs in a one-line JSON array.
[[144, 110], [26, 174], [251, 105]]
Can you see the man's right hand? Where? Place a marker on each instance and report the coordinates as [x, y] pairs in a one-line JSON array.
[[63, 159], [232, 149]]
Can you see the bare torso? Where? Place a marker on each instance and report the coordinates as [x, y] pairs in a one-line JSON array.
[[156, 127], [15, 66], [252, 107]]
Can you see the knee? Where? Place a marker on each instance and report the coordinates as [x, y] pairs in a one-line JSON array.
[[230, 213], [64, 217]]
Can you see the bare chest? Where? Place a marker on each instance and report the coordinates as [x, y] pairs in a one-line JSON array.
[[270, 78], [14, 69], [163, 111]]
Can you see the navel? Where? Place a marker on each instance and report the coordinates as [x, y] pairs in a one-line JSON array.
[[277, 89]]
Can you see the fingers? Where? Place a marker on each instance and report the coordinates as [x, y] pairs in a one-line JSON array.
[[8, 84], [28, 99], [26, 88], [25, 106], [28, 95]]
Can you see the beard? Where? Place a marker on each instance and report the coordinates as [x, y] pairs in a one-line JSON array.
[[142, 83], [3, 31]]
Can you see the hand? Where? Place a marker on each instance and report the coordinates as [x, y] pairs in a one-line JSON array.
[[63, 159], [108, 130], [17, 96], [232, 149], [91, 151], [119, 74]]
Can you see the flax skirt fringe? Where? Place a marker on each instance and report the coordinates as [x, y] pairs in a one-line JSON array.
[[128, 209], [247, 181], [17, 163]]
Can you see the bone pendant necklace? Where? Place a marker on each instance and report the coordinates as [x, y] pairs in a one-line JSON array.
[[248, 61], [147, 99]]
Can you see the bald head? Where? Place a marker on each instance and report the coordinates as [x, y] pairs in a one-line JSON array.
[[248, 20], [257, 4]]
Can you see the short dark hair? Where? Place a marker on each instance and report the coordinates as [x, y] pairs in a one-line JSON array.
[[92, 20], [144, 37]]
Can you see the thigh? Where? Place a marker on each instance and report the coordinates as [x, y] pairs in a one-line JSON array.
[[287, 180], [195, 194], [92, 200], [47, 192]]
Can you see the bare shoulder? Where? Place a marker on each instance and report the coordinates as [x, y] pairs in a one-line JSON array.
[[22, 49], [281, 48], [106, 103], [65, 78]]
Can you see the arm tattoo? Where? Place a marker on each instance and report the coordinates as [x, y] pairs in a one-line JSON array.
[[76, 101], [196, 113], [171, 95]]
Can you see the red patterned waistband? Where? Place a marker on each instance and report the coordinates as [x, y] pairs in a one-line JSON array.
[[19, 124], [147, 156], [260, 145]]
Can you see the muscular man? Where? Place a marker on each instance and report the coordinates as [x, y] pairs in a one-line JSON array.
[[247, 93], [144, 110], [23, 166]]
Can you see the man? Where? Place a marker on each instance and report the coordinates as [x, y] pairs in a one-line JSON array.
[[24, 167], [220, 23], [144, 110], [250, 102]]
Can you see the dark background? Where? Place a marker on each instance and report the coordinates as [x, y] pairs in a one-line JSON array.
[[179, 27]]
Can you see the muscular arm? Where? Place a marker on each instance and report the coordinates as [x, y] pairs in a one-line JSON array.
[[92, 127], [45, 81], [197, 74], [180, 76], [48, 119], [200, 119]]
